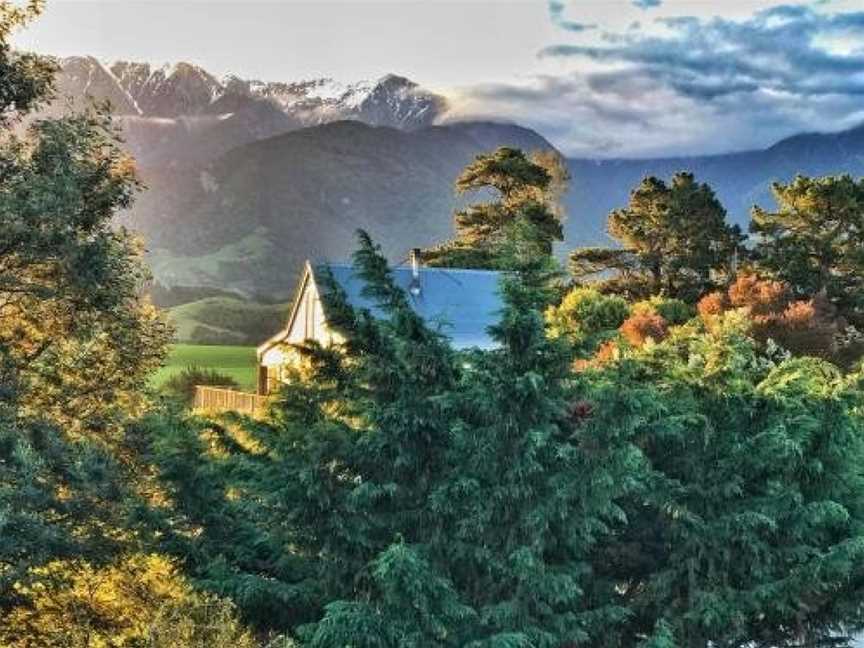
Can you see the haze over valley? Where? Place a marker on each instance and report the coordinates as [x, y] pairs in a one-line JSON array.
[[247, 179]]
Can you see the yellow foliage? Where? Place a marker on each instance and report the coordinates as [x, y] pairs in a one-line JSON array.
[[73, 604]]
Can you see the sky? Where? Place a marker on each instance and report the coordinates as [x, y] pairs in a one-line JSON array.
[[598, 78]]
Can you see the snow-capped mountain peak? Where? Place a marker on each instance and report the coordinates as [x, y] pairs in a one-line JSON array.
[[184, 89]]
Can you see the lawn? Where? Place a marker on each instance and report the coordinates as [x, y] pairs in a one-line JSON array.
[[235, 361]]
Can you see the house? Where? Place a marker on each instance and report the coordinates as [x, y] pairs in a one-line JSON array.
[[461, 303]]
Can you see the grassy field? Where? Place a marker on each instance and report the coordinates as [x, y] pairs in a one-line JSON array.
[[235, 361]]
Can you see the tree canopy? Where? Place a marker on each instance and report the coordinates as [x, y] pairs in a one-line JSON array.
[[523, 210], [657, 495], [814, 240], [674, 240]]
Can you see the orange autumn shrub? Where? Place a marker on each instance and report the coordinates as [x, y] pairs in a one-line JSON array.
[[712, 305], [760, 296], [808, 327], [803, 327], [638, 328], [607, 352]]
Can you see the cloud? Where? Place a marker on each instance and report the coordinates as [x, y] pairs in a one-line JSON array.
[[784, 49], [647, 4], [557, 10], [684, 84]]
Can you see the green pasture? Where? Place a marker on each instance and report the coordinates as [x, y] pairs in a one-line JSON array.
[[235, 361]]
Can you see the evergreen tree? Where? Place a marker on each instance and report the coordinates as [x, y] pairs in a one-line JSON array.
[[814, 240], [750, 529], [674, 241], [526, 191], [77, 344], [693, 489], [419, 496]]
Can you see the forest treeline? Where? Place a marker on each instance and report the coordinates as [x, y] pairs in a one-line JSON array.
[[665, 448]]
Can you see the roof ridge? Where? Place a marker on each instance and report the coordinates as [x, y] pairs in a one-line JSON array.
[[408, 267]]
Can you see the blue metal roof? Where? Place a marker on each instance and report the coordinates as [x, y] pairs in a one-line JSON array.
[[461, 304]]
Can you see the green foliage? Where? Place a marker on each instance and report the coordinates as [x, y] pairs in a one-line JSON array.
[[73, 324], [674, 241], [750, 528], [587, 317], [59, 499], [200, 621], [428, 497], [674, 311], [181, 386], [525, 213], [691, 492], [412, 606], [77, 344], [662, 637], [813, 240]]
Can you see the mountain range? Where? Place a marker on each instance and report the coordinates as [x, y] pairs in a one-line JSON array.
[[180, 113], [247, 179]]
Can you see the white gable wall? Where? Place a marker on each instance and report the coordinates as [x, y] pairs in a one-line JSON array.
[[308, 323]]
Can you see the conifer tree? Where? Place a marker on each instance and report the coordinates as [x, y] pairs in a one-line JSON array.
[[422, 496], [813, 240], [750, 527], [674, 241], [526, 199]]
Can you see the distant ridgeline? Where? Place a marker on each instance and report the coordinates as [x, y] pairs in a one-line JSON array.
[[246, 180]]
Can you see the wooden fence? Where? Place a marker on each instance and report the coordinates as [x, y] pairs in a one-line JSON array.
[[216, 399]]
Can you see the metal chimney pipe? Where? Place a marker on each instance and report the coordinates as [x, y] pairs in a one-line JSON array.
[[415, 262], [414, 288]]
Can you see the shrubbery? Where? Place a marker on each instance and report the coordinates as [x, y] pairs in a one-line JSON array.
[[181, 386]]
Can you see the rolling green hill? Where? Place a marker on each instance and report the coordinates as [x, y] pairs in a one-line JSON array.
[[227, 320]]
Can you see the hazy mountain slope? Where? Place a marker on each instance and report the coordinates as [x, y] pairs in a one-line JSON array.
[[248, 220], [740, 179], [247, 179], [252, 217]]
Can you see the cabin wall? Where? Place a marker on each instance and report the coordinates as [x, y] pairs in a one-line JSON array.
[[309, 323]]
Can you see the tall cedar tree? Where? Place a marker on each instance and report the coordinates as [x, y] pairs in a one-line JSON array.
[[674, 241], [750, 529], [525, 195], [815, 240], [408, 495], [693, 491], [76, 343]]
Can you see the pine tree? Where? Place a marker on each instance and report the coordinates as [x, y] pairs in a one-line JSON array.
[[674, 241], [813, 240], [526, 192]]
